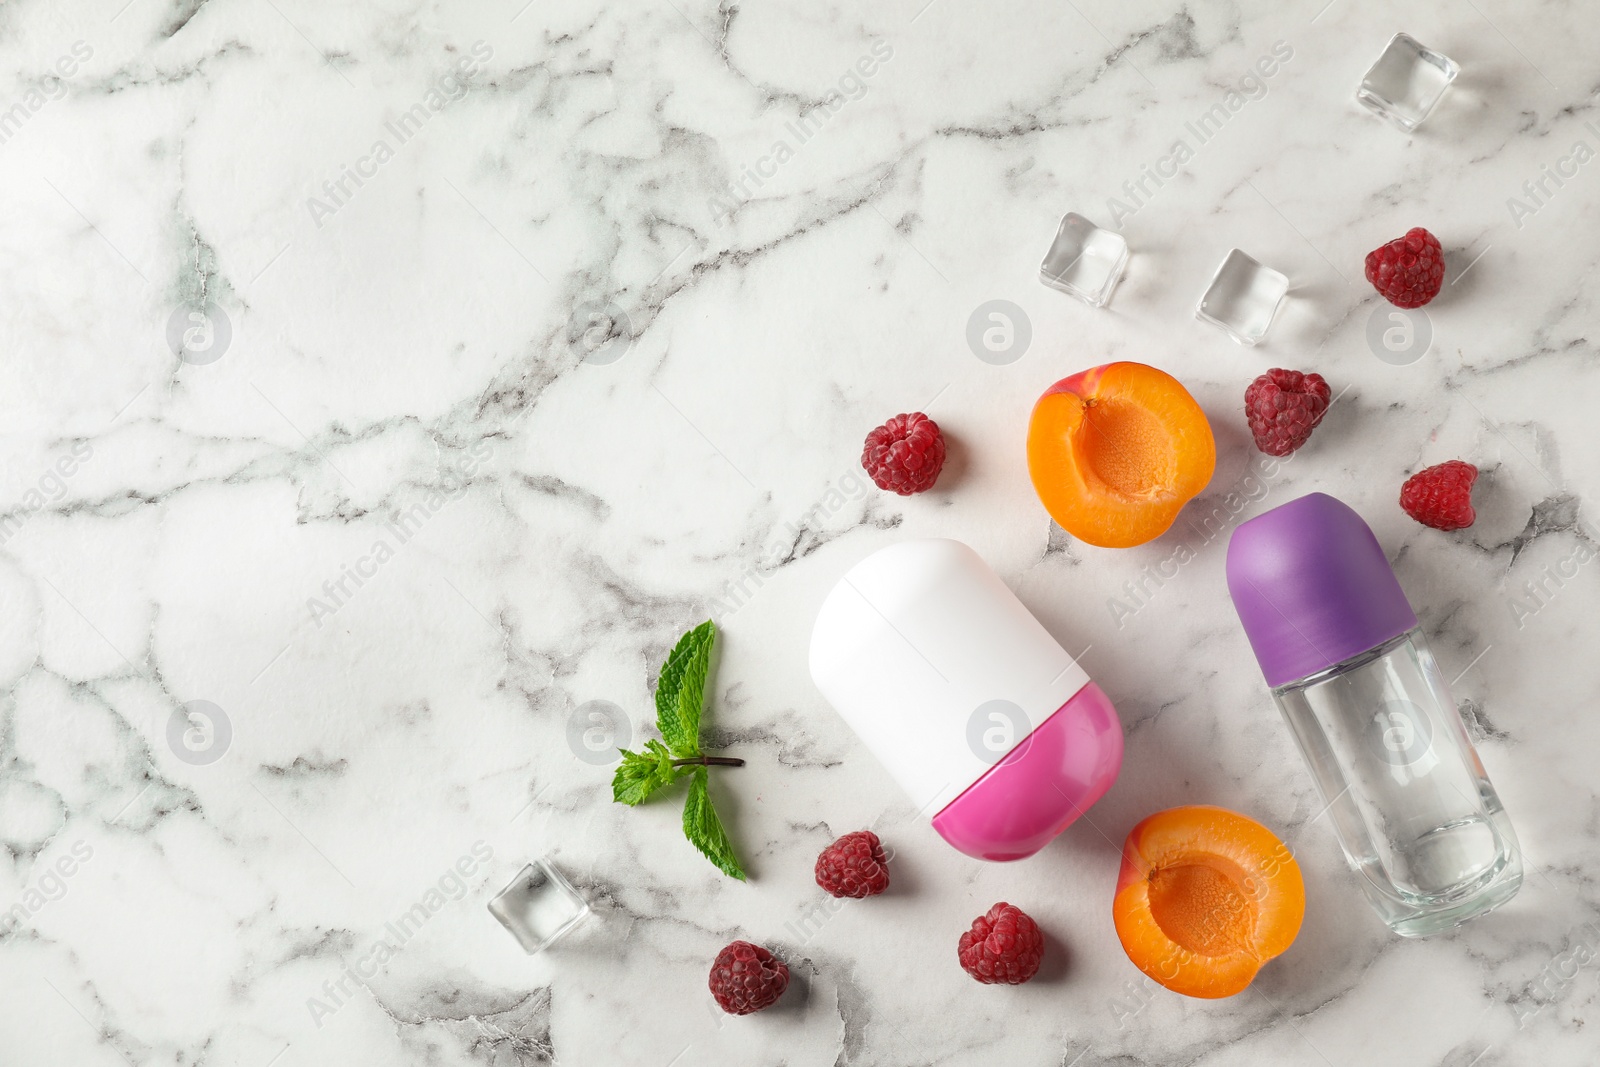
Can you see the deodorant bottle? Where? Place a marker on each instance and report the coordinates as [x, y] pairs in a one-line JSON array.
[[1420, 823], [965, 699]]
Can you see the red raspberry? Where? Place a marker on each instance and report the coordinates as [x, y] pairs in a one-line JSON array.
[[1002, 946], [1408, 270], [1283, 407], [854, 866], [904, 454], [746, 978], [1441, 496]]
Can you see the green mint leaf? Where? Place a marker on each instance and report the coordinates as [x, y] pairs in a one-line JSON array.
[[704, 830], [640, 775], [681, 690], [680, 703], [692, 695]]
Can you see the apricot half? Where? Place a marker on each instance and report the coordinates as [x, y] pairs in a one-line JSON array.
[[1204, 898], [1116, 451]]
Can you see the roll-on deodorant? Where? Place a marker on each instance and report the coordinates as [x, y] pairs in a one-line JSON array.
[[965, 699], [1421, 825]]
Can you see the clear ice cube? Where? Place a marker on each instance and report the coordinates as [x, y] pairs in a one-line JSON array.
[[1406, 82], [1243, 298], [1084, 260], [539, 907]]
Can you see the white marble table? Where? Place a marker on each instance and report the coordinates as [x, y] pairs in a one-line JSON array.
[[395, 517]]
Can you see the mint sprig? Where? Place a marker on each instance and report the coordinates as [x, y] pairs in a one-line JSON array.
[[680, 700]]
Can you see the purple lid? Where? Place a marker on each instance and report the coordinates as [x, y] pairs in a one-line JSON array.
[[1312, 586]]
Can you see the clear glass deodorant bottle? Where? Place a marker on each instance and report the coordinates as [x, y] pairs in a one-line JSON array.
[[1419, 821]]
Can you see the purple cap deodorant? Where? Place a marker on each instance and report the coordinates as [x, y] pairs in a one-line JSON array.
[[1420, 822]]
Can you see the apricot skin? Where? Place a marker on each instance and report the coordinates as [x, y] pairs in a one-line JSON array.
[[1204, 898], [1116, 451]]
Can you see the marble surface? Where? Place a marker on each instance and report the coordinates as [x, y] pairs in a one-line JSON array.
[[405, 497]]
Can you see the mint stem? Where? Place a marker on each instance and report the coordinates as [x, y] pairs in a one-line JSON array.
[[709, 761]]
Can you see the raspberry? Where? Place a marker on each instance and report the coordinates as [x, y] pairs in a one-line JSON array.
[[1408, 270], [854, 866], [746, 978], [1002, 946], [1283, 407], [904, 454], [1441, 496]]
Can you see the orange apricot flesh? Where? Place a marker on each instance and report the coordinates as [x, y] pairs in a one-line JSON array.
[[1204, 898], [1116, 451]]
